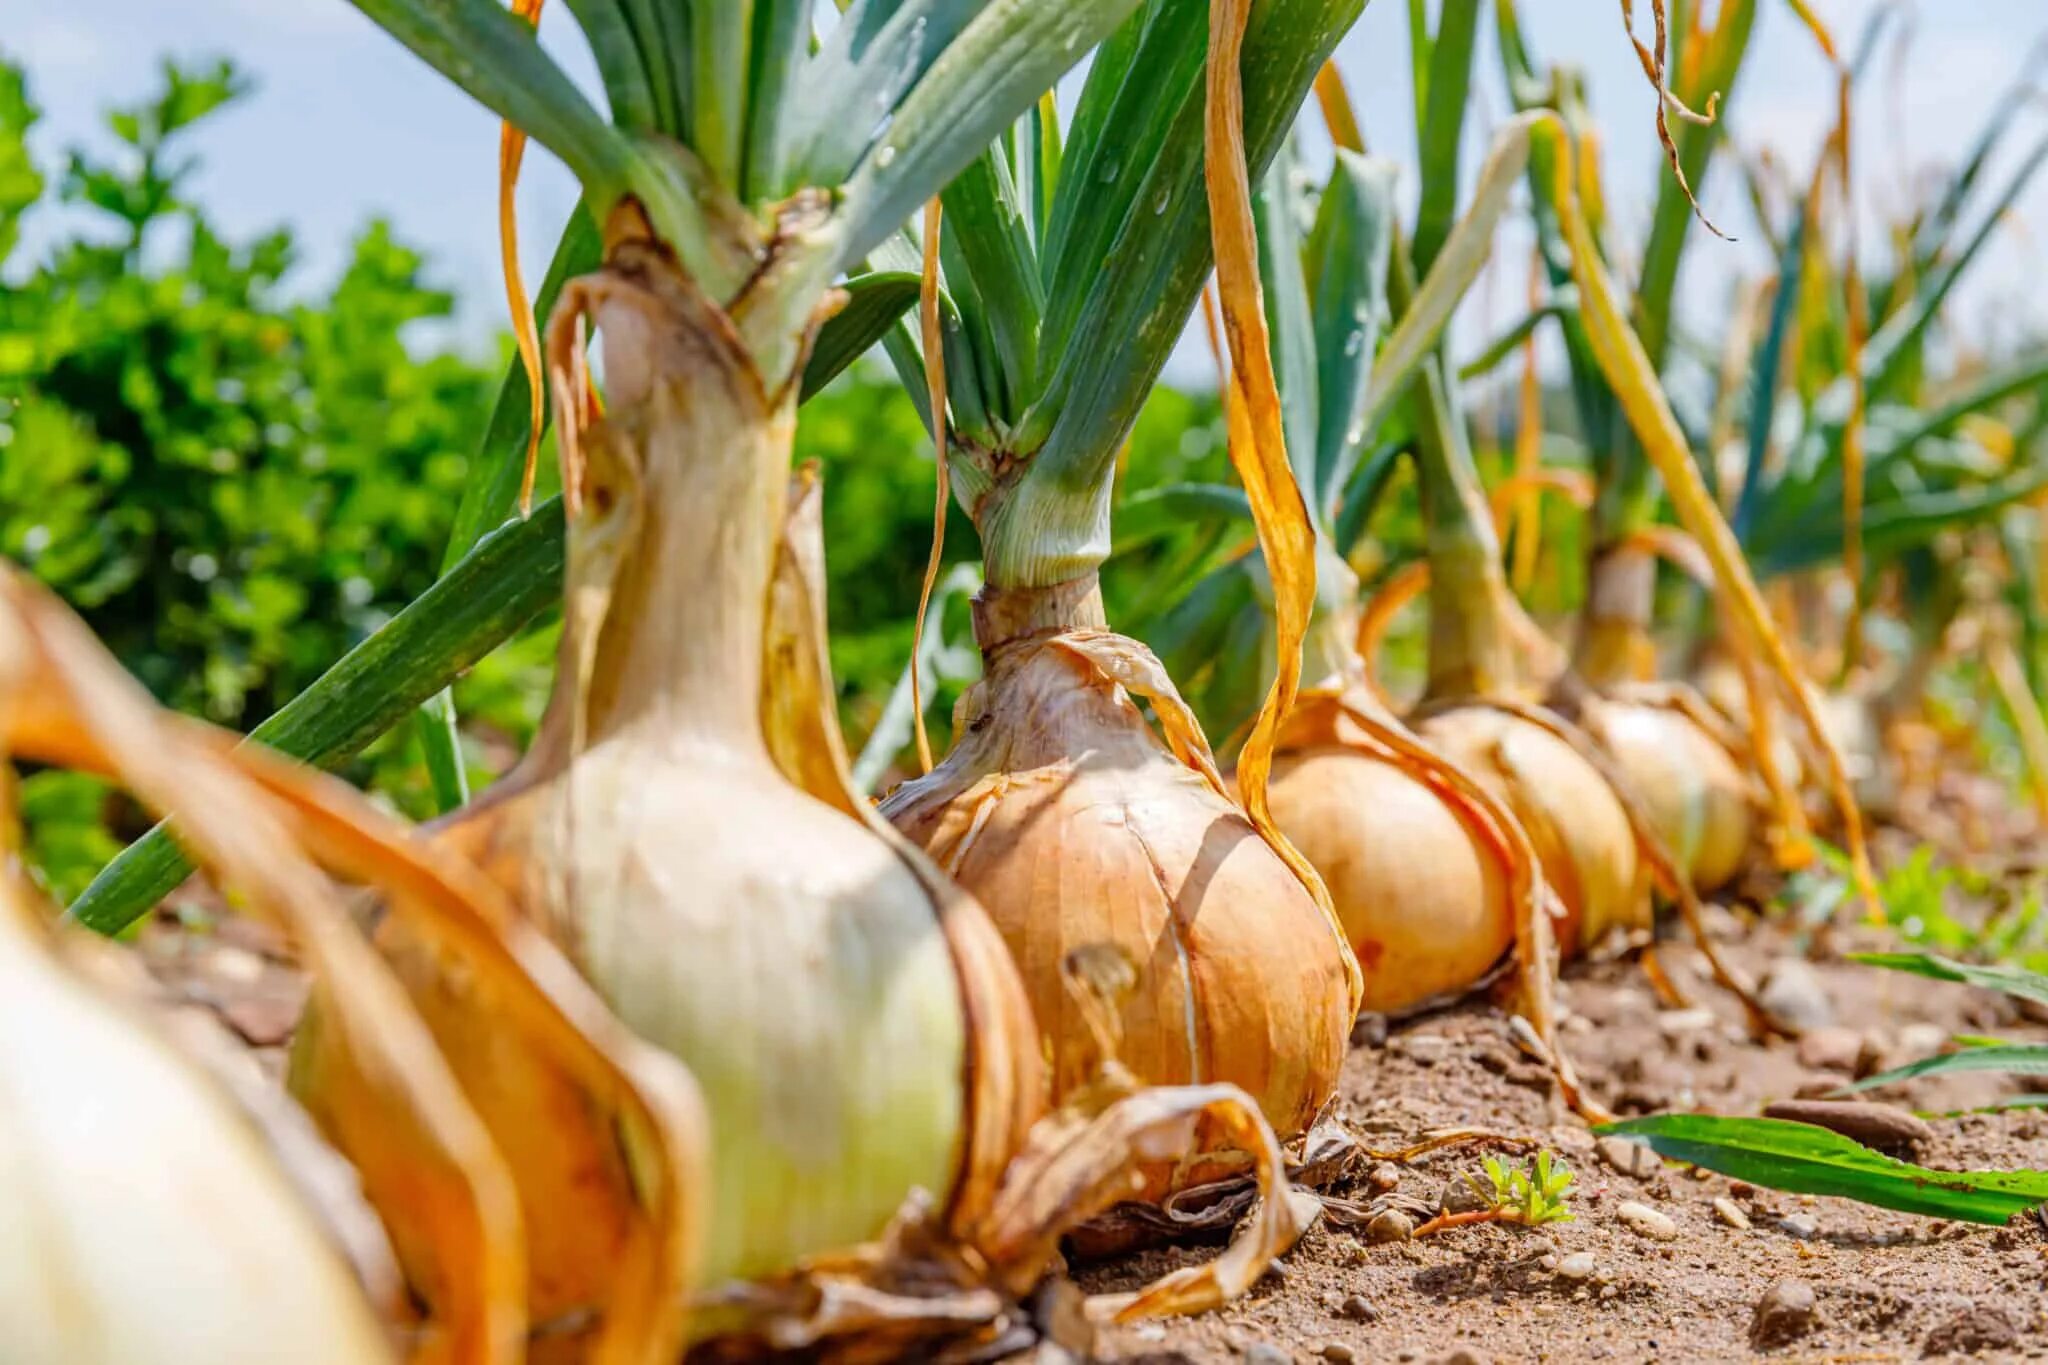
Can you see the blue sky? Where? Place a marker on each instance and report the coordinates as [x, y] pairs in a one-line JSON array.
[[345, 126]]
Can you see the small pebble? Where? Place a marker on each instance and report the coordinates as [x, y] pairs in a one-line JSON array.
[[1630, 1158], [236, 965], [1369, 1031], [1390, 1225], [1883, 1126], [1425, 1049], [1610, 1291], [1359, 1308], [1830, 1049], [1784, 1313], [1804, 1226], [1647, 1222], [1921, 1040], [1462, 1196], [1577, 1266], [1793, 991], [1384, 1177], [1729, 1212], [1265, 1353], [1340, 1353], [1673, 1023]]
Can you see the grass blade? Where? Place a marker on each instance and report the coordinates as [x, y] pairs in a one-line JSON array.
[[1275, 210], [1802, 1159], [496, 58], [2009, 980], [1154, 513], [2020, 1059], [1001, 60]]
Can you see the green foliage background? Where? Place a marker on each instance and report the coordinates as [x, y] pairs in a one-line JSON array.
[[235, 476]]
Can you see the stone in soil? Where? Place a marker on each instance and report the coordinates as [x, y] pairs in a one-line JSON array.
[[1831, 1049], [1265, 1353], [1462, 1196], [1676, 1023], [1577, 1266], [1972, 1330], [1339, 1354], [1804, 1226], [1729, 1212], [1424, 1049], [1630, 1158], [1359, 1308], [1786, 1312], [1921, 1040], [1883, 1126], [1793, 991], [1390, 1225], [1646, 1221]]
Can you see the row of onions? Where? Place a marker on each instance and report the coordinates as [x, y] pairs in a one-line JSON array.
[[1617, 783], [849, 1139], [671, 1036]]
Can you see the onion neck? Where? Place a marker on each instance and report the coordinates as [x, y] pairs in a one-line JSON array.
[[1329, 651], [1002, 614], [1037, 529], [1471, 650], [678, 656], [1614, 640]]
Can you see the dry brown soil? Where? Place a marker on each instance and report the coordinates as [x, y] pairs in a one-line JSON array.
[[1883, 1286], [1876, 1285]]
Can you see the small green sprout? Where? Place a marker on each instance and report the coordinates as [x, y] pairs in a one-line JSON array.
[[1532, 1196]]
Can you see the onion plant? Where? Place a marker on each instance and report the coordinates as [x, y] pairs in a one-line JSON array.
[[1071, 260]]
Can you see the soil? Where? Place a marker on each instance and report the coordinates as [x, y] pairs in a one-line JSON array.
[[1807, 1279]]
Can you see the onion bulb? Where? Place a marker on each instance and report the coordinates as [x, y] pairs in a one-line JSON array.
[[1085, 833], [1064, 814], [430, 1190], [810, 972], [1422, 897], [202, 1250], [1579, 827], [1694, 795]]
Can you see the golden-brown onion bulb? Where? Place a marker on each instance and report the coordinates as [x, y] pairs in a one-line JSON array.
[[1064, 814], [1692, 792], [1422, 897], [1577, 824]]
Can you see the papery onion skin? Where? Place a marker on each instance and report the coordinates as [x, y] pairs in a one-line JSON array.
[[1424, 903], [1578, 826], [788, 956], [197, 1248], [1718, 678], [1691, 789], [1069, 819]]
